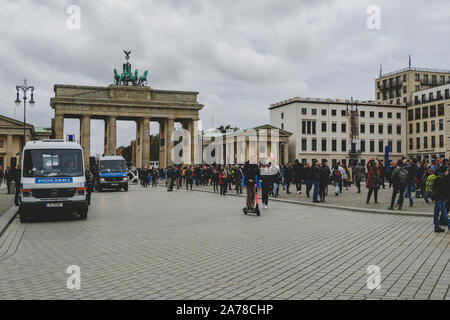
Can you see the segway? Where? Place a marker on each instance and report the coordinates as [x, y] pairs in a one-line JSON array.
[[254, 210]]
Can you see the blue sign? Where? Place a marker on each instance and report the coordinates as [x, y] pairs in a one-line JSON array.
[[386, 157], [112, 174], [53, 180]]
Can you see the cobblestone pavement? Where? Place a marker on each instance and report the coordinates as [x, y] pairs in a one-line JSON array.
[[6, 200], [152, 244], [350, 198]]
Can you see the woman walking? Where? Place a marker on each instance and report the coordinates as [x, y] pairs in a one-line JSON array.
[[373, 180], [266, 178]]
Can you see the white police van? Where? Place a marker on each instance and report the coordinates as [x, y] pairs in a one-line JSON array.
[[53, 178]]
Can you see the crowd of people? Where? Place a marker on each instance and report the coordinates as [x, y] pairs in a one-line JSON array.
[[406, 177]]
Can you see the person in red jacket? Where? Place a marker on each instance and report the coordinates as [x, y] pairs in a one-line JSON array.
[[373, 179], [223, 182]]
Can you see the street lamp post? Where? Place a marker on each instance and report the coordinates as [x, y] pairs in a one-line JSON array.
[[24, 87]]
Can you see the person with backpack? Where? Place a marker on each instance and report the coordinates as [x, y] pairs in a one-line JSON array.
[[316, 173], [439, 195], [336, 178], [324, 179], [429, 178], [399, 180], [373, 180], [412, 173]]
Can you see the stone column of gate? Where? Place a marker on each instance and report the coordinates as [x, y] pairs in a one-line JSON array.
[[106, 138], [162, 148], [112, 139], [190, 128], [169, 142], [145, 142], [85, 134], [59, 127], [139, 143]]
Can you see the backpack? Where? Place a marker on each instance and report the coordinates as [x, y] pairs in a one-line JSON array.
[[337, 174], [402, 176], [429, 184]]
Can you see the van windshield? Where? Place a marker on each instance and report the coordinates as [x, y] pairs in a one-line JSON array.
[[53, 163], [112, 166]]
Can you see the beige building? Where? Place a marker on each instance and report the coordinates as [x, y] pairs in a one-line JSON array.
[[336, 130], [265, 142], [398, 87], [11, 135]]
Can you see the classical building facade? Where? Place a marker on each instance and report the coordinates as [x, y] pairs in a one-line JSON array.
[[268, 143], [11, 137], [141, 104], [340, 130]]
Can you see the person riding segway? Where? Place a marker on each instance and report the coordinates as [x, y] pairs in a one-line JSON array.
[[250, 181]]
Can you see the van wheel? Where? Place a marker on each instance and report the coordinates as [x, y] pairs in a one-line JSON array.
[[125, 188], [83, 214], [23, 216]]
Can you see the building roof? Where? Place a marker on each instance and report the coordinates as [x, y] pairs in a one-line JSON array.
[[334, 101], [215, 133], [417, 69]]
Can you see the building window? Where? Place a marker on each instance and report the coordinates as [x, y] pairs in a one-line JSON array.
[[381, 146], [362, 114], [405, 90], [411, 144], [432, 111], [333, 145], [363, 145], [324, 127], [389, 128], [372, 128], [324, 112], [343, 127], [410, 115], [324, 144], [314, 112], [410, 128], [343, 113], [333, 127], [390, 146], [417, 77], [425, 142], [308, 127], [372, 146], [433, 125], [430, 96], [333, 112], [304, 144], [399, 146], [282, 115], [440, 109], [303, 111], [441, 141], [380, 129], [372, 114], [303, 127], [313, 145], [417, 112], [380, 114], [433, 142], [389, 115], [424, 112], [399, 129], [418, 127], [441, 124], [447, 94], [425, 127], [418, 143], [362, 128], [344, 145]]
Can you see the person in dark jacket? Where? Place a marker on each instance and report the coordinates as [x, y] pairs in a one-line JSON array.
[[16, 176], [8, 178], [307, 175], [316, 172], [373, 179], [298, 175], [288, 177], [440, 194], [324, 180], [359, 174], [238, 179], [266, 179], [399, 179], [89, 186], [412, 173], [251, 173]]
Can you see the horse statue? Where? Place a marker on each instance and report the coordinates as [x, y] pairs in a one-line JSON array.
[[135, 77], [143, 79], [117, 77]]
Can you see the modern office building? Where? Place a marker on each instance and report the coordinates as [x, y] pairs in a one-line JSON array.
[[341, 130]]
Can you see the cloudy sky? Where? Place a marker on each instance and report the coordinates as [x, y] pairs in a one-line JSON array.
[[240, 55]]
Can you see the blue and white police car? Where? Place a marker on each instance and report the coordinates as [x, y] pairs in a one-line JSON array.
[[112, 173]]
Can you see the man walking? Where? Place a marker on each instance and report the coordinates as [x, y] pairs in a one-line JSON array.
[[439, 195], [399, 180]]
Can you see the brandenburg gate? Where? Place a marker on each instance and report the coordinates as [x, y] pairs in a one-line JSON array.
[[122, 101]]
